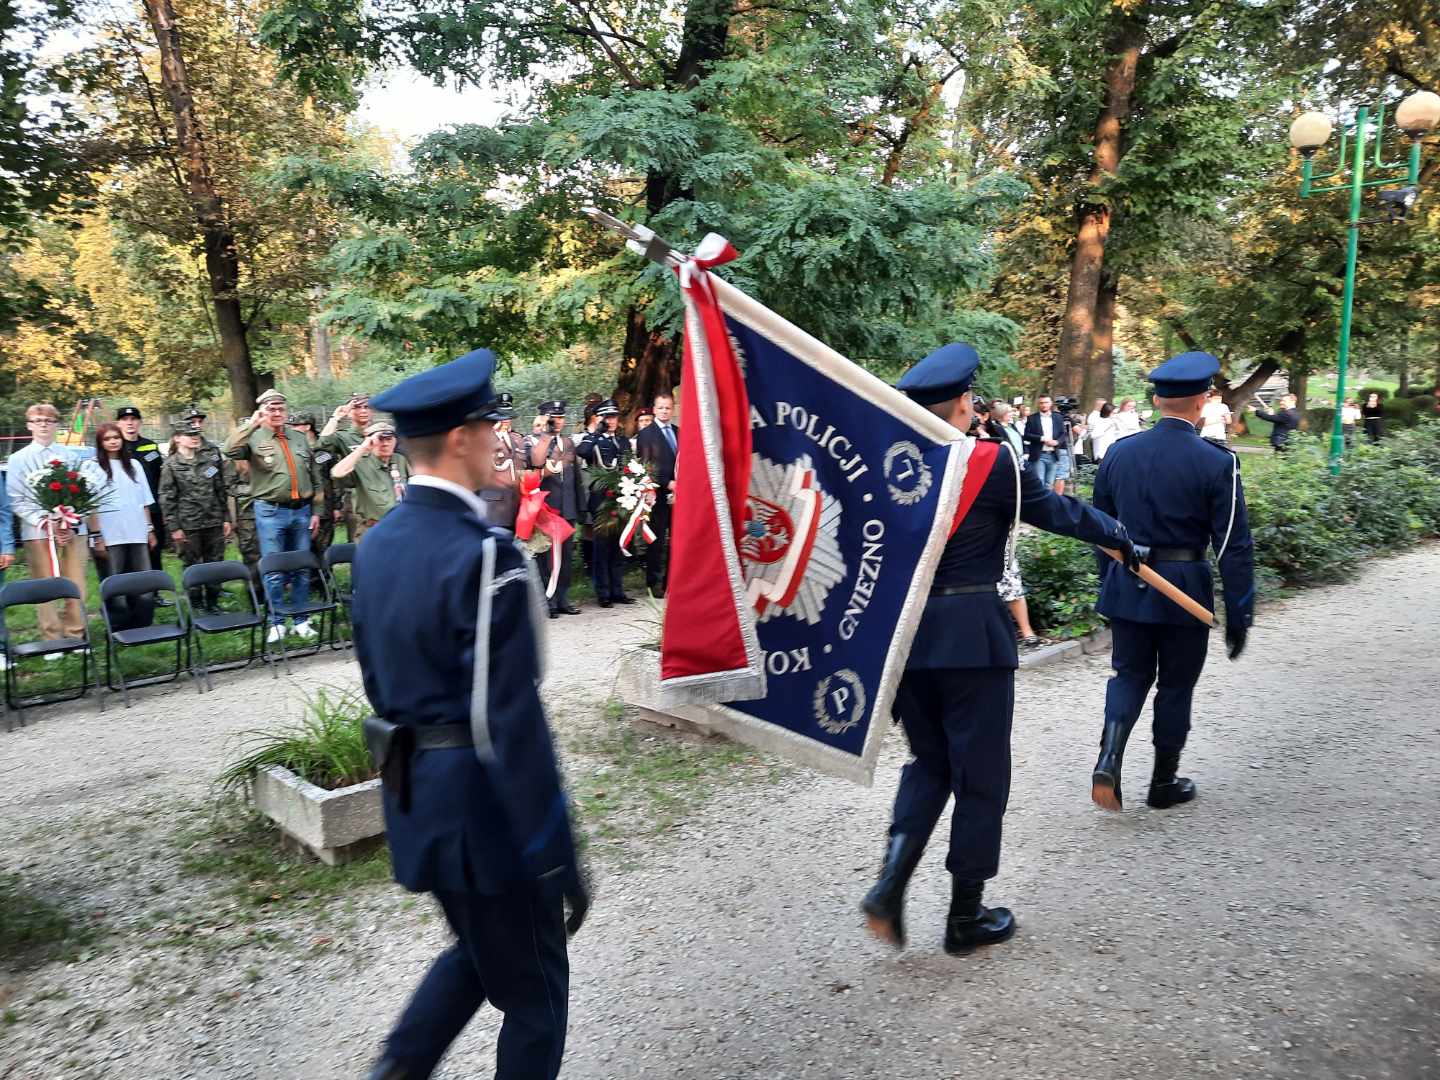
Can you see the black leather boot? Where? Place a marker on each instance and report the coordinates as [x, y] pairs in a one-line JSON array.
[[1167, 789], [970, 923], [1105, 779], [884, 904], [389, 1069]]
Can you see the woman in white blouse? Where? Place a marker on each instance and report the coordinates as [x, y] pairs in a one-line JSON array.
[[1215, 417], [1103, 430], [125, 524]]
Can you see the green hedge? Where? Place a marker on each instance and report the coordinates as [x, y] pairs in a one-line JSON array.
[[1309, 527]]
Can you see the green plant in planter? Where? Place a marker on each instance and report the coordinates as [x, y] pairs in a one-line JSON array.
[[326, 747]]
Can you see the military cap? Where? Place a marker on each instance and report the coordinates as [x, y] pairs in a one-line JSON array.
[[552, 408], [607, 408], [127, 410], [1185, 375], [193, 413], [445, 397], [380, 427], [944, 374], [268, 396], [184, 427]]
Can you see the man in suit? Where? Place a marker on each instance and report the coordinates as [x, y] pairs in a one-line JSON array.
[[1178, 494], [474, 809], [1283, 422], [957, 694], [553, 453], [1045, 437], [656, 445]]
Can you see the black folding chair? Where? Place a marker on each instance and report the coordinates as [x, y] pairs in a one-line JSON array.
[[137, 584], [214, 575], [337, 555], [34, 592], [289, 562]]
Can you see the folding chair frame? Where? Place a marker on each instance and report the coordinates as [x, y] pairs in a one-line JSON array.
[[258, 630], [112, 656], [12, 661]]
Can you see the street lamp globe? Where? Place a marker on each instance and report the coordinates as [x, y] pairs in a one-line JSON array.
[[1310, 131], [1417, 114]]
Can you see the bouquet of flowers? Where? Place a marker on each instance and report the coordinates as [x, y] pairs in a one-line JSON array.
[[629, 495], [67, 491]]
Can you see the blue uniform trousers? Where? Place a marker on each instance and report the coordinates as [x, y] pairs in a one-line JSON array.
[[510, 951], [607, 569], [1141, 651], [957, 721]]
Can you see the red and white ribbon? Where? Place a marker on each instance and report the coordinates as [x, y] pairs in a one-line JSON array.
[[639, 522], [61, 515]]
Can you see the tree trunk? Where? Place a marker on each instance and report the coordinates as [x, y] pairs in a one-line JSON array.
[[320, 343], [222, 261], [1077, 330], [913, 123], [651, 361], [1404, 388], [1300, 387], [1100, 372]]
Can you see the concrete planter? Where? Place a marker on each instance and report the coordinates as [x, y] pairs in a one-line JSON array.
[[637, 683], [334, 826]]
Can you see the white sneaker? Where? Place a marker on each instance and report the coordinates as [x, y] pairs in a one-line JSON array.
[[276, 633], [303, 629]]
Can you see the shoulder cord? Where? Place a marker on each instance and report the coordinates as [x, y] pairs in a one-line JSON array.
[[1234, 498], [480, 667], [1014, 525]]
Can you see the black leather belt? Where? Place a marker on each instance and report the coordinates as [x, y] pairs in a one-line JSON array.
[[443, 736], [965, 590], [1163, 554], [287, 504]]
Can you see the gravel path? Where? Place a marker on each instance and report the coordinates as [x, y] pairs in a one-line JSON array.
[[1284, 925]]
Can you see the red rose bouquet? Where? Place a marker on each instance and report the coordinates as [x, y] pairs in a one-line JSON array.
[[67, 491]]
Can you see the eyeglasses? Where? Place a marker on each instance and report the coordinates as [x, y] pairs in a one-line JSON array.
[[42, 420]]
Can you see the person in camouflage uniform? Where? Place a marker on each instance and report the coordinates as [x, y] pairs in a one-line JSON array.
[[195, 505], [195, 418], [237, 482], [342, 433]]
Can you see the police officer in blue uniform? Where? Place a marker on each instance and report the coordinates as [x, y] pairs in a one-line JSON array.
[[605, 448], [958, 692], [1177, 494], [474, 809]]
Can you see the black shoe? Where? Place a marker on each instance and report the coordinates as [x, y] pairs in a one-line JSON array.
[[621, 600], [604, 603], [568, 609], [970, 923], [1105, 779], [389, 1069], [657, 591], [1167, 789], [884, 904], [554, 614]]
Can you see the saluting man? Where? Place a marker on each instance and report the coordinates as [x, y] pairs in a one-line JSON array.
[[553, 453], [957, 694], [1177, 493], [375, 473], [606, 448], [502, 497], [474, 809]]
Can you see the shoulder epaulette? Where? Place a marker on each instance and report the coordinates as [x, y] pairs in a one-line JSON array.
[[1220, 444]]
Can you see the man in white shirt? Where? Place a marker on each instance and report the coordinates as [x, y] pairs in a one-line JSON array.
[[63, 619], [1045, 436], [1215, 417]]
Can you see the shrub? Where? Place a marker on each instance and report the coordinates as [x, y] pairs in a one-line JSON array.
[[1061, 583], [327, 747], [1400, 411], [1320, 419], [1300, 534]]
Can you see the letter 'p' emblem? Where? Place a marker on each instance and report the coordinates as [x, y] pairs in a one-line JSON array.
[[839, 701]]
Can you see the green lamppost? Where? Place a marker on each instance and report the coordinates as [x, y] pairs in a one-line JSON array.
[[1416, 115]]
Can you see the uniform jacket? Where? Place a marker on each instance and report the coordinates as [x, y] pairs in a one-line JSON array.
[[487, 826], [502, 502], [653, 448], [1172, 488], [1035, 435], [148, 456], [192, 493], [269, 471], [565, 490], [372, 483], [604, 452], [973, 630]]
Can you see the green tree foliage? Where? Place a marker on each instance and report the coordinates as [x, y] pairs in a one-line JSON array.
[[812, 141]]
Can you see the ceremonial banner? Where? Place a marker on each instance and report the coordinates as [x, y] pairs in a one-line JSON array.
[[812, 506]]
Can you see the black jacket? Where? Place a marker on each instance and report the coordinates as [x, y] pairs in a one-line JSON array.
[[1035, 435], [653, 448]]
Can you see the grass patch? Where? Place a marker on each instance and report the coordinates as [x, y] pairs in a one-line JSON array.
[[242, 852], [326, 747], [640, 785], [34, 929]]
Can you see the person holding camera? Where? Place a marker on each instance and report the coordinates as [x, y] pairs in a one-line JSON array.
[[553, 453], [1285, 421]]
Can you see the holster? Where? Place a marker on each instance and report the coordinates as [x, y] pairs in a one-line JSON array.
[[391, 746]]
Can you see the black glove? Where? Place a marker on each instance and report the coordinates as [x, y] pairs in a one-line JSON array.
[[1135, 555], [1235, 636], [577, 901]]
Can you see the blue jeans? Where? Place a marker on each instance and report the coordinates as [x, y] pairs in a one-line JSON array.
[[280, 528], [1044, 466]]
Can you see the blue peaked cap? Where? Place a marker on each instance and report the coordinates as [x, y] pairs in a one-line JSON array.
[[445, 397], [1185, 375], [946, 373]]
